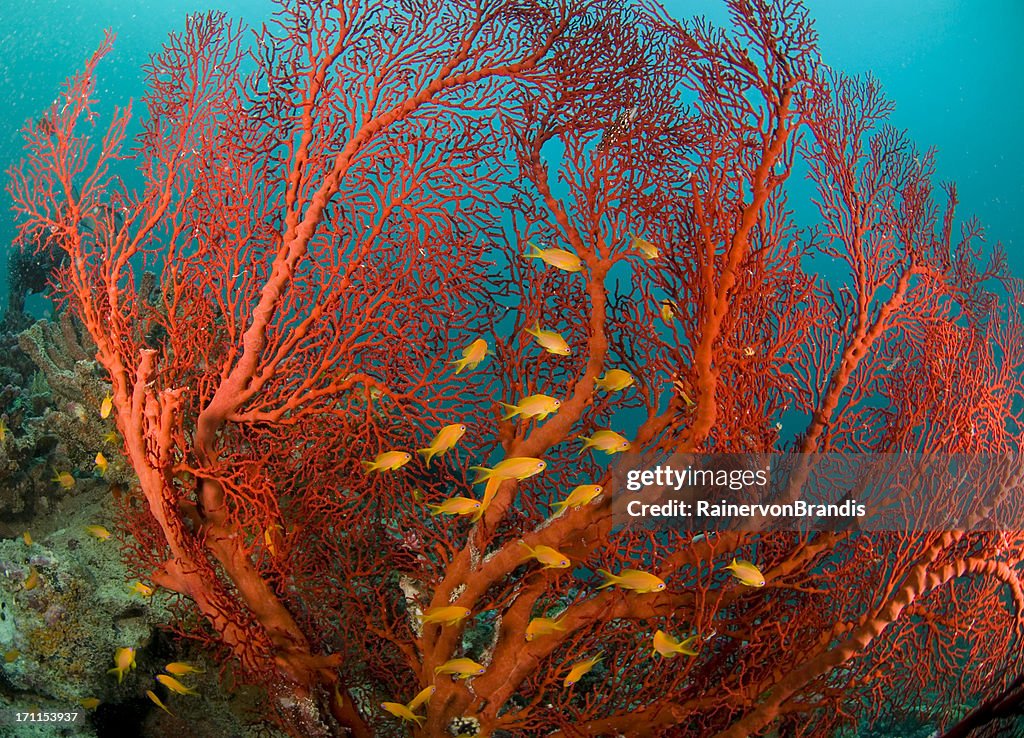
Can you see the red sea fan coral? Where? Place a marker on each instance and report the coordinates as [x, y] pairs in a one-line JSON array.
[[340, 211]]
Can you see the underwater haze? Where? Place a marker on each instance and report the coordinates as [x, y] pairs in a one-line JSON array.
[[618, 378], [952, 66]]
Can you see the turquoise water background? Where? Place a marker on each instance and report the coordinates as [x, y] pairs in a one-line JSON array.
[[954, 68]]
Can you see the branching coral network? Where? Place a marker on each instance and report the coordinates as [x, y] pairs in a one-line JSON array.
[[338, 209]]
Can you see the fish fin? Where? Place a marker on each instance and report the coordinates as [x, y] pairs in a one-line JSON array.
[[510, 410], [534, 252], [535, 331], [459, 364], [428, 452], [483, 473], [609, 578]]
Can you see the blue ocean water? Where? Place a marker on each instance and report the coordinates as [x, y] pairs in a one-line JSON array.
[[953, 66], [954, 69], [45, 41]]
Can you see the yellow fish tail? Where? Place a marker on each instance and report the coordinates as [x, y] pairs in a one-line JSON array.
[[510, 411], [460, 364], [429, 452], [609, 578], [424, 695], [156, 701], [535, 252], [489, 492], [535, 331], [483, 473]]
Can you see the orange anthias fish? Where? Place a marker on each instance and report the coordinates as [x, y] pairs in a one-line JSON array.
[[548, 556], [646, 249], [668, 313], [455, 506], [614, 380], [270, 537], [472, 356], [514, 467], [580, 668], [605, 440], [402, 711], [174, 685], [443, 442], [64, 479], [567, 261], [106, 406], [142, 589], [550, 341], [387, 461], [460, 668], [746, 573], [98, 532], [667, 646], [534, 406], [101, 463], [156, 701], [180, 668], [543, 626], [445, 614], [124, 661], [421, 698], [493, 484], [641, 582], [584, 494]]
